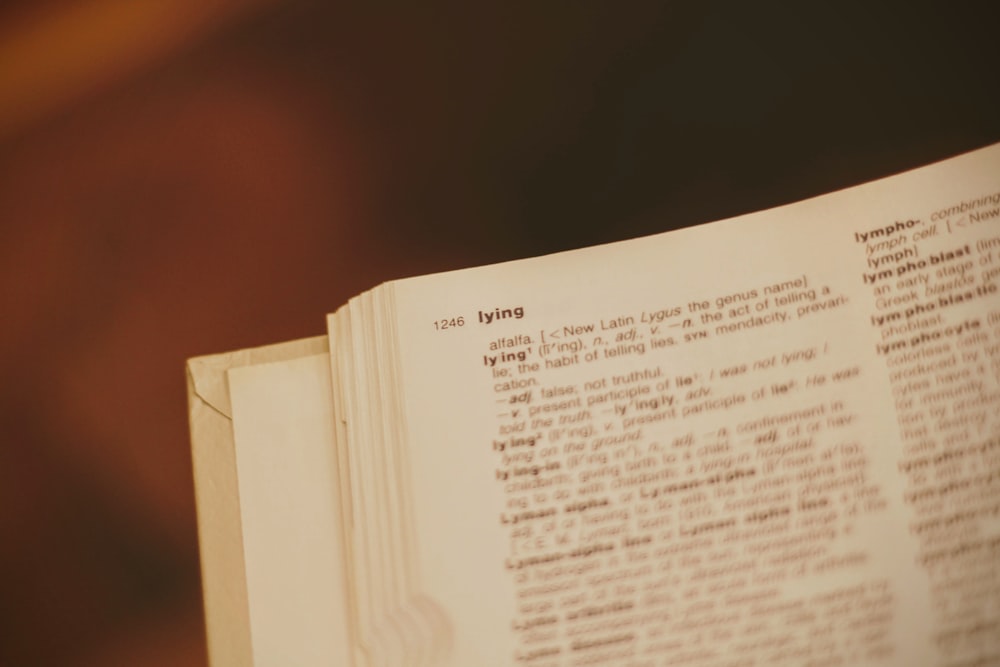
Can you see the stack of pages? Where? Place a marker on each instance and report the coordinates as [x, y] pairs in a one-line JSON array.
[[770, 440]]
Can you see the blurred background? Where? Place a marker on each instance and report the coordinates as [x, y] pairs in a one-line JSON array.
[[183, 177]]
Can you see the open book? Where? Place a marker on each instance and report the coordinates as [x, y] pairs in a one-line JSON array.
[[770, 440]]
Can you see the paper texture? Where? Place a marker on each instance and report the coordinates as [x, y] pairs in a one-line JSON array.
[[290, 509], [217, 495]]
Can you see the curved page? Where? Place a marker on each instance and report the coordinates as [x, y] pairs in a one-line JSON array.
[[769, 440]]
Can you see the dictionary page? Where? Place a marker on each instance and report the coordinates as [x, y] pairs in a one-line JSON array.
[[771, 440]]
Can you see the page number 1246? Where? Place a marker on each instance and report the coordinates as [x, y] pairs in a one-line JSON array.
[[449, 323]]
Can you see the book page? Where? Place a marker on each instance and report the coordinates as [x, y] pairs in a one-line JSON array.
[[768, 440], [220, 533], [289, 503]]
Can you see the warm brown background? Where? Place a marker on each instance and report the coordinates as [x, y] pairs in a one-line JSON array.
[[180, 178]]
